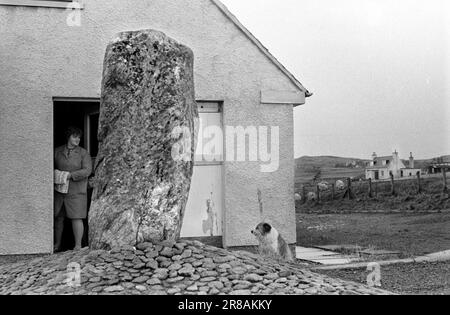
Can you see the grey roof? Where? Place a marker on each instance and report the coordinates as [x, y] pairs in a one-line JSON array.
[[384, 158], [377, 168]]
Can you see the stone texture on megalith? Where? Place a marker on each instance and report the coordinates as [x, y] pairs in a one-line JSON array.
[[141, 187]]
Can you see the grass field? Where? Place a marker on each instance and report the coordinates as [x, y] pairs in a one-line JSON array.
[[405, 279], [411, 235]]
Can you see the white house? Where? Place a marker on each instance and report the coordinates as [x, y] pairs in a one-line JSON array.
[[51, 70], [381, 168]]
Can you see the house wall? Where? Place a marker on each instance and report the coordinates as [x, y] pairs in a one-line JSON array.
[[42, 57], [396, 167], [382, 174], [411, 172]]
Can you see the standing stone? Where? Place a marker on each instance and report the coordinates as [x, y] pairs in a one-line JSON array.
[[147, 137]]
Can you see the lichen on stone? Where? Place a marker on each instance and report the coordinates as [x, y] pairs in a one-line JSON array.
[[147, 91]]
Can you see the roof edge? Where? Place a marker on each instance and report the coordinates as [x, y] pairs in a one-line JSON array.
[[261, 47]]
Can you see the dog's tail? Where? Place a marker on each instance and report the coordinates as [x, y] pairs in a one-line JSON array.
[[284, 250]]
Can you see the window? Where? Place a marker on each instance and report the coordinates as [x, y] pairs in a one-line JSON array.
[[210, 137]]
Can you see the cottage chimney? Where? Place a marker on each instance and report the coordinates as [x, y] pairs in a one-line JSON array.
[[411, 161], [374, 159], [395, 156]]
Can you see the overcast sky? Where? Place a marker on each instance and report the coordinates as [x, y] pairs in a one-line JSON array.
[[379, 71]]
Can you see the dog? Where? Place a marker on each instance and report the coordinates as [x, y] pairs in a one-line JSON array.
[[271, 243]]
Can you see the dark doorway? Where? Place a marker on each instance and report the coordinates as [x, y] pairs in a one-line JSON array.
[[377, 175], [83, 114]]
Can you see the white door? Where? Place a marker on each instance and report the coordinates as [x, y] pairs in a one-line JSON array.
[[204, 210]]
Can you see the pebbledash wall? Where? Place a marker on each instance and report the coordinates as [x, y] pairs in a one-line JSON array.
[[42, 57]]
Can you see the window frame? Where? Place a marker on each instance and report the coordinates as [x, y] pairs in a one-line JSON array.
[[207, 110]]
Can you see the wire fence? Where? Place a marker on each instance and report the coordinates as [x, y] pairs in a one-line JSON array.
[[347, 189]]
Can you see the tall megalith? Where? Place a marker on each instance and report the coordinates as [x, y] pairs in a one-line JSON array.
[[147, 134]]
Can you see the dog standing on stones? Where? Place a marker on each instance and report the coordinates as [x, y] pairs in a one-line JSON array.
[[271, 243]]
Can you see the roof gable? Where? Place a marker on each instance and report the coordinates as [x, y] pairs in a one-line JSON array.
[[260, 46]]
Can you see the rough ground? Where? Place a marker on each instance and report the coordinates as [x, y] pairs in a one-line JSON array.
[[423, 278], [412, 235], [424, 203], [182, 268]]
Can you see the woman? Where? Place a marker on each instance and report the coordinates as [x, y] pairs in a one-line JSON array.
[[77, 162]]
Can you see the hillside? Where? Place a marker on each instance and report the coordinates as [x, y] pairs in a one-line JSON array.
[[326, 161], [428, 162], [330, 168]]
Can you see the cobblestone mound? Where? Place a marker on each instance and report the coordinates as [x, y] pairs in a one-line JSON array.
[[188, 268]]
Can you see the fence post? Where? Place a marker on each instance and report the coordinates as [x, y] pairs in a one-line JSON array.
[[349, 193], [370, 188], [332, 192], [419, 184], [304, 197], [376, 189], [318, 194], [445, 190], [393, 193]]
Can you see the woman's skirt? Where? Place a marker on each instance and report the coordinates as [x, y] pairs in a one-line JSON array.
[[75, 206]]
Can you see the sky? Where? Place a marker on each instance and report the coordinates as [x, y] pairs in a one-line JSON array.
[[379, 71]]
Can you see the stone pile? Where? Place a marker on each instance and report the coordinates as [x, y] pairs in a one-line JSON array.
[[187, 268]]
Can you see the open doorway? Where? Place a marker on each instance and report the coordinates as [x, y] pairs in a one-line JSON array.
[[83, 114]]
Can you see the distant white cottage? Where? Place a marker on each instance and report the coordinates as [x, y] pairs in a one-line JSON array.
[[381, 167]]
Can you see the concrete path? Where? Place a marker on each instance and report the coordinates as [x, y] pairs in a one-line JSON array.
[[333, 248], [435, 257], [431, 258], [323, 257]]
